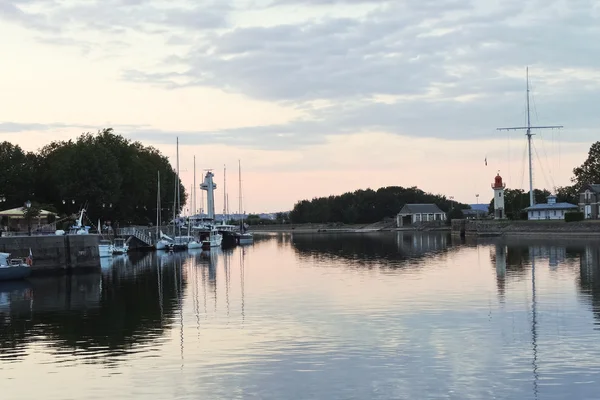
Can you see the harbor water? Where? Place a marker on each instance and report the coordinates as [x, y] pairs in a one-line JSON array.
[[323, 316]]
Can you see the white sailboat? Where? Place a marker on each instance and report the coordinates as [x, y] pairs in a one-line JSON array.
[[105, 247], [163, 242], [244, 237]]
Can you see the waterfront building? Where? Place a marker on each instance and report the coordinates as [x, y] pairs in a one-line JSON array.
[[550, 210], [414, 214], [589, 201]]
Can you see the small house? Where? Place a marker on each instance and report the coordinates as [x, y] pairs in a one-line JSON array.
[[589, 201], [550, 210], [414, 214]]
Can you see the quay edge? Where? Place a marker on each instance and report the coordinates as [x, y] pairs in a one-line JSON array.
[[54, 253]]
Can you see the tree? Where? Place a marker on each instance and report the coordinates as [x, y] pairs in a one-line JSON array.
[[112, 177], [589, 171], [365, 206], [17, 174], [30, 213]]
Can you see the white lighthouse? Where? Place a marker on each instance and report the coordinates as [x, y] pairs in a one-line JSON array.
[[498, 187], [210, 187]]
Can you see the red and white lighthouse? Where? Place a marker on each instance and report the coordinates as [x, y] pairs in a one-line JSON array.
[[498, 187]]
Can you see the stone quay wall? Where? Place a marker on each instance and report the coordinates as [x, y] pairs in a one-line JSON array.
[[55, 253], [506, 227]]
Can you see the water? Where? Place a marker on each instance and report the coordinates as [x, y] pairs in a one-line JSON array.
[[376, 316]]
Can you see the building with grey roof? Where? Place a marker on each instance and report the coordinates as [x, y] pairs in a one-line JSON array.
[[550, 210], [414, 214], [589, 201]]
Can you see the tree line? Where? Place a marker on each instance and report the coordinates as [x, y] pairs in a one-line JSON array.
[[368, 206], [112, 177]]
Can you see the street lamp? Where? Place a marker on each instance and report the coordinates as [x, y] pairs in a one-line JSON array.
[[28, 206]]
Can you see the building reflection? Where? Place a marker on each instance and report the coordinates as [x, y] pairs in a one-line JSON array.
[[128, 303], [589, 278]]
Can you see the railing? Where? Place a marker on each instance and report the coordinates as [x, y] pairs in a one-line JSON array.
[[141, 233]]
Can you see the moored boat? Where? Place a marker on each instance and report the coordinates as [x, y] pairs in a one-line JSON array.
[[214, 240], [105, 248], [14, 268], [120, 246]]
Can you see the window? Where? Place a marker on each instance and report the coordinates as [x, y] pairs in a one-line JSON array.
[[500, 194], [554, 212]]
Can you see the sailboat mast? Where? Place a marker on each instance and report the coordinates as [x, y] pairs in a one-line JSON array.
[[178, 186], [224, 191], [194, 192], [240, 187], [528, 129], [531, 196], [157, 204]]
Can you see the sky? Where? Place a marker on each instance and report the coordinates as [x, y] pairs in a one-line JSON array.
[[313, 97]]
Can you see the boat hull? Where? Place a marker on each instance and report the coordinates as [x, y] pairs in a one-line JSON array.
[[105, 250], [14, 272]]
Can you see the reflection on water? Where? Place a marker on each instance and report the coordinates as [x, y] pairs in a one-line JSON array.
[[340, 316]]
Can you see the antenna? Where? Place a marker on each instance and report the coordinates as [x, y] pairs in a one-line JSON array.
[[528, 128]]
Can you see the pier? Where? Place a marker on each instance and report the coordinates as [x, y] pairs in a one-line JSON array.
[[54, 253]]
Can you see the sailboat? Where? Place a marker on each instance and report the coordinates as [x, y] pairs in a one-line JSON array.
[[180, 242], [244, 237], [164, 242], [105, 247]]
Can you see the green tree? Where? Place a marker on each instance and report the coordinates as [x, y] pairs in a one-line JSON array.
[[365, 206], [112, 177], [17, 175], [30, 213], [589, 171]]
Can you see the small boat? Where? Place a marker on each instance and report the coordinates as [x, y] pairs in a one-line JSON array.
[[120, 246], [246, 238], [214, 239], [14, 268], [105, 248]]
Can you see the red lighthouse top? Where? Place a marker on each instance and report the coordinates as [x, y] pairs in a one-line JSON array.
[[498, 182]]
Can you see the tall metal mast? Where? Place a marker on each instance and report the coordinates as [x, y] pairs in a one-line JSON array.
[[224, 191], [194, 192], [528, 128]]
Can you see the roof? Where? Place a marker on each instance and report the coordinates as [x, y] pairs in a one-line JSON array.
[[595, 187], [479, 207], [421, 209], [18, 212], [555, 206]]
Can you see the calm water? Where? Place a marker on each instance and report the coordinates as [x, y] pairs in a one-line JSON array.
[[377, 316]]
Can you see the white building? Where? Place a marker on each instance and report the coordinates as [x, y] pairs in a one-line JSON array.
[[414, 214], [550, 210]]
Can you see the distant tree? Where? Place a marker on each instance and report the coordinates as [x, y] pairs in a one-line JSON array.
[[589, 171], [516, 200], [365, 206], [567, 194]]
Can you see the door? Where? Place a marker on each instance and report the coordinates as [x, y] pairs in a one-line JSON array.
[[588, 211]]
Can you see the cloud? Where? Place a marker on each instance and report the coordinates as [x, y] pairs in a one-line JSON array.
[[450, 68]]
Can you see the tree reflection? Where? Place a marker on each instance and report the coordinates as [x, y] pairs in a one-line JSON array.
[[372, 249], [97, 313]]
